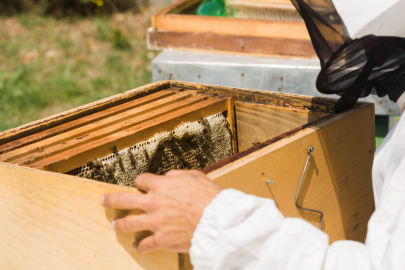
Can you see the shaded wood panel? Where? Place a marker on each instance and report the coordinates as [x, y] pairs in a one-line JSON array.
[[338, 180], [76, 157], [54, 221], [84, 121], [259, 123]]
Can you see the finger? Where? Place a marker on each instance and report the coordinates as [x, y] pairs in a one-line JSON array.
[[123, 200], [132, 223], [145, 181], [145, 245]]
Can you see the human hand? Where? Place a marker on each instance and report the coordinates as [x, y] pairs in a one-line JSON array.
[[171, 208]]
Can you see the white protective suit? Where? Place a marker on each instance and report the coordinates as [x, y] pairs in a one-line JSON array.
[[240, 231]]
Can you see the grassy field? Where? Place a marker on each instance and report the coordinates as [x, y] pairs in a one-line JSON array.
[[49, 65]]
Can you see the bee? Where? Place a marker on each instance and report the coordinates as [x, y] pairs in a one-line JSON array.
[[206, 143], [195, 154], [177, 163], [256, 142], [145, 152], [109, 169], [160, 171], [194, 140], [131, 158], [114, 150], [90, 164], [206, 125], [97, 164], [89, 174]]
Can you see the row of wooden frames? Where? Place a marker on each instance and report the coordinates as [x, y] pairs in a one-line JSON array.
[[69, 145]]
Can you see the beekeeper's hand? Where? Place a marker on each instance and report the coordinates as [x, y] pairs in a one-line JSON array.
[[172, 206]]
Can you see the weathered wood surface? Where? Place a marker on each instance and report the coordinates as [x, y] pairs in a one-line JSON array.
[[73, 114], [76, 157], [55, 221], [158, 40], [102, 127], [298, 102], [63, 128], [338, 179]]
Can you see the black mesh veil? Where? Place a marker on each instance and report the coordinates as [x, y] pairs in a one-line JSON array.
[[352, 68]]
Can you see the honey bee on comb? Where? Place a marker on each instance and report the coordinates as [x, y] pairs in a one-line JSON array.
[[114, 150]]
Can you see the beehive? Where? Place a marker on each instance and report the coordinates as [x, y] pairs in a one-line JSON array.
[[53, 220]]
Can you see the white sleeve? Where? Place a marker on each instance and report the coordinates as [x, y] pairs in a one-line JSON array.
[[240, 231]]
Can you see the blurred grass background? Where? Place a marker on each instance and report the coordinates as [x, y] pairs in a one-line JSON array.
[[59, 54]]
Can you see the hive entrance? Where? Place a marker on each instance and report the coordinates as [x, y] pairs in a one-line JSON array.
[[192, 145]]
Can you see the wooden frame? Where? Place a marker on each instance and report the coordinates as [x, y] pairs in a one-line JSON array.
[[173, 28], [170, 19], [51, 220], [158, 40]]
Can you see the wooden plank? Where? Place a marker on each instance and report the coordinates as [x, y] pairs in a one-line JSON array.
[[76, 157], [259, 123], [230, 26], [158, 40], [232, 124], [70, 115], [338, 179], [83, 121], [94, 132], [54, 221], [293, 101]]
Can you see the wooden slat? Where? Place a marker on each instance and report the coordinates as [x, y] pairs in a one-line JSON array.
[[293, 101], [76, 157], [83, 121], [158, 40], [98, 133], [232, 125], [338, 179], [54, 221], [118, 119], [230, 26]]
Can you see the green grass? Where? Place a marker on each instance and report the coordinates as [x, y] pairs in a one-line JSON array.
[[49, 65]]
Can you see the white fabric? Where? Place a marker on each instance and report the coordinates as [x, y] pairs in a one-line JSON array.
[[239, 231], [372, 17]]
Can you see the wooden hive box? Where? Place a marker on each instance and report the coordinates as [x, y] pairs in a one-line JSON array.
[[177, 26], [52, 220]]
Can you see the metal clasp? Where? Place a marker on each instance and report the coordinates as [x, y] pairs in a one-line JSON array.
[[310, 150]]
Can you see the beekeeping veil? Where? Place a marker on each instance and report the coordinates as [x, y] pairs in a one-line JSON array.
[[361, 47]]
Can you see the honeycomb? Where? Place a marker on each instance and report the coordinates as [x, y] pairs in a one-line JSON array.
[[192, 145]]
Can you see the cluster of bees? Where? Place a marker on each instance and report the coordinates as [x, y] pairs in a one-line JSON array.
[[178, 151], [100, 172]]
